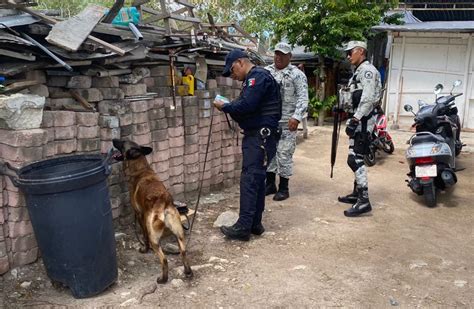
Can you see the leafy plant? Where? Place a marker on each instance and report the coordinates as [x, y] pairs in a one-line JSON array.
[[316, 106]]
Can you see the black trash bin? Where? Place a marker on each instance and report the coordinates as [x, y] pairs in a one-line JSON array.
[[68, 202]]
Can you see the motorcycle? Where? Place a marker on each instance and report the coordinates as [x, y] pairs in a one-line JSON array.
[[434, 146], [380, 139]]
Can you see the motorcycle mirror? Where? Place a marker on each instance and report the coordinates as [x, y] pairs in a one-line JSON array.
[[408, 108], [438, 88]]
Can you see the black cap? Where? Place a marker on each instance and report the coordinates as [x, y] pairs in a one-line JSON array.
[[230, 58]]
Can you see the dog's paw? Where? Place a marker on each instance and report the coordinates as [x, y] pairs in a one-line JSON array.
[[144, 249], [162, 280], [188, 273]]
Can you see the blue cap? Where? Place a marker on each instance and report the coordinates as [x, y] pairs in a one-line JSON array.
[[230, 58]]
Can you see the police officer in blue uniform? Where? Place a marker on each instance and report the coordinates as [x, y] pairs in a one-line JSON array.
[[257, 111]]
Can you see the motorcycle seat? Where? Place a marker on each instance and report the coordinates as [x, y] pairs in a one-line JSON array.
[[417, 139]]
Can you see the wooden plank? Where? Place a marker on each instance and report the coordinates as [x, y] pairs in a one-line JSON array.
[[139, 2], [185, 18], [185, 3], [17, 86], [81, 100], [70, 34], [52, 21], [113, 11], [12, 54]]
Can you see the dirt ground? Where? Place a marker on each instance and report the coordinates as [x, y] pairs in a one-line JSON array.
[[402, 254]]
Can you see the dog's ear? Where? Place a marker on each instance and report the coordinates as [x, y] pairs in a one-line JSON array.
[[146, 150], [118, 144]]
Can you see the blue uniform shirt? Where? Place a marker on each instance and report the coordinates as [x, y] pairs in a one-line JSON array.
[[258, 88]]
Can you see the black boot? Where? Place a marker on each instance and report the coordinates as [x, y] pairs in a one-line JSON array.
[[350, 198], [236, 231], [257, 229], [283, 192], [270, 187], [361, 206]]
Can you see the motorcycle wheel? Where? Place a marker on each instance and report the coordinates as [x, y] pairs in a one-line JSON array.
[[388, 147], [369, 158], [429, 194]]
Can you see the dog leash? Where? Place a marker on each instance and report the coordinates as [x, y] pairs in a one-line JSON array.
[[202, 179]]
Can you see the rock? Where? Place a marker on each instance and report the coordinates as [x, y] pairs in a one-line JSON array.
[[393, 302], [226, 218], [198, 267], [417, 264], [171, 248], [213, 259], [460, 283], [26, 284], [14, 273], [119, 235], [177, 283], [299, 267], [21, 111], [213, 198], [219, 268], [131, 263]]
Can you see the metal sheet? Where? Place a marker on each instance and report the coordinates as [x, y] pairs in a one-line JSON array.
[[17, 20]]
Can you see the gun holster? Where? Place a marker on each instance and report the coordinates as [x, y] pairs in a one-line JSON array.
[[362, 139]]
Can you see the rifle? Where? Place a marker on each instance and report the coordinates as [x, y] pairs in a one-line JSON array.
[[336, 129]]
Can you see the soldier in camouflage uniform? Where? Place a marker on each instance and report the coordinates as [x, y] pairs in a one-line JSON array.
[[294, 89], [364, 91]]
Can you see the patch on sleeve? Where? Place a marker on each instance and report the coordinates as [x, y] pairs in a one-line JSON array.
[[368, 75], [251, 82]]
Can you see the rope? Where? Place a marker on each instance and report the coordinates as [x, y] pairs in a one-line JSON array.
[[202, 178]]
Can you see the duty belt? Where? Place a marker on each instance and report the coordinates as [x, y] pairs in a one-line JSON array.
[[263, 132]]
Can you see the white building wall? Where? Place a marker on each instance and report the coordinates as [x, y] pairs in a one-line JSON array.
[[418, 62]]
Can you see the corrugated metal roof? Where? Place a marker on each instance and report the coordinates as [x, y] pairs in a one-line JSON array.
[[17, 20], [432, 26]]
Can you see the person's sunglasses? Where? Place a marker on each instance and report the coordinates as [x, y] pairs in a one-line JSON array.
[[349, 53]]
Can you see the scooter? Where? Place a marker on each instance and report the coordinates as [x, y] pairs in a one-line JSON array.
[[379, 140], [434, 146]]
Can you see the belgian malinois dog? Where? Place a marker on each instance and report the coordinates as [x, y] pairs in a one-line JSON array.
[[152, 203]]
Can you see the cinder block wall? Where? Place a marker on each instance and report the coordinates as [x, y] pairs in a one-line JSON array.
[[176, 129]]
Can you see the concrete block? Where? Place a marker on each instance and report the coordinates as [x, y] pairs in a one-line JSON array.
[[57, 81], [112, 93], [24, 138], [105, 82], [110, 122], [64, 118], [139, 106], [21, 111], [133, 90], [88, 145], [65, 133], [66, 146], [79, 82], [91, 94], [113, 107], [25, 257], [39, 90], [87, 119], [87, 132]]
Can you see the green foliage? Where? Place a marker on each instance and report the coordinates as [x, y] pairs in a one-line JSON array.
[[324, 25], [72, 7], [315, 105]]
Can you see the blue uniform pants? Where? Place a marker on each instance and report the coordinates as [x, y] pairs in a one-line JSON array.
[[252, 180]]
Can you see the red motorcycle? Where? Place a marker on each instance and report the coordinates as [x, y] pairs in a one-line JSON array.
[[380, 139]]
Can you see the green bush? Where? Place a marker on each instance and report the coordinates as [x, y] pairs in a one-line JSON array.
[[315, 106]]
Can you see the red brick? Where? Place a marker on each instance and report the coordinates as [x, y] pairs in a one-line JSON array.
[[144, 139], [24, 243], [139, 106], [64, 118], [88, 145], [65, 133], [87, 119], [176, 142], [21, 154], [18, 229], [4, 265], [24, 138], [109, 134], [66, 146], [176, 132], [133, 90], [139, 117], [80, 82], [24, 258], [87, 132], [105, 82]]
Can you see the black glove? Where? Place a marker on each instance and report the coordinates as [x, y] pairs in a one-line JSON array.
[[351, 127]]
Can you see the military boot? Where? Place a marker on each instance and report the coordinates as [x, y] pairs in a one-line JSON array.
[[236, 231], [350, 198], [283, 192], [257, 229], [361, 206], [270, 186]]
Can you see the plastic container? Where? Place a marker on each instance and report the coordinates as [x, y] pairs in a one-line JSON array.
[[68, 202], [126, 16]]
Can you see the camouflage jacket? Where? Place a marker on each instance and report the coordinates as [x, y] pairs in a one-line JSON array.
[[367, 78], [294, 89]]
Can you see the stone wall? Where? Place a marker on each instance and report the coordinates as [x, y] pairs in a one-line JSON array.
[[176, 129]]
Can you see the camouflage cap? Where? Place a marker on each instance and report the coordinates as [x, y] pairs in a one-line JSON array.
[[354, 44], [283, 47]]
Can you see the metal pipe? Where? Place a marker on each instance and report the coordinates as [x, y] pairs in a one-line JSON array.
[[56, 58], [135, 31]]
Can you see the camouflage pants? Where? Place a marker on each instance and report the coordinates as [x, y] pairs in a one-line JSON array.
[[282, 163], [356, 161]]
